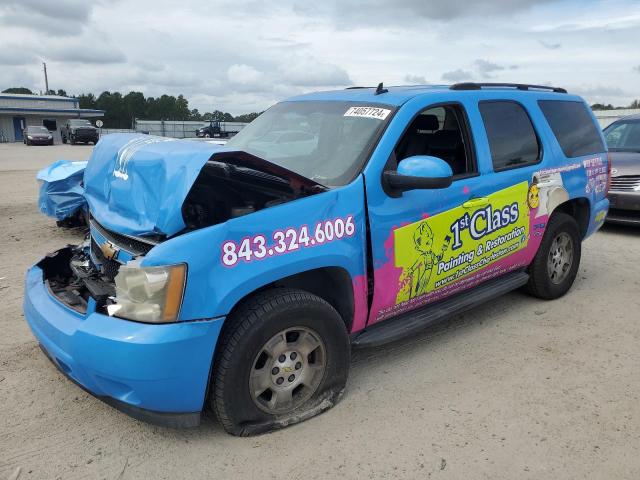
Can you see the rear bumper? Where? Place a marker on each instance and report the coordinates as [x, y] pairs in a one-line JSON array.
[[156, 373]]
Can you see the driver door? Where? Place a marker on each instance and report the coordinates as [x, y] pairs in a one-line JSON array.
[[418, 237]]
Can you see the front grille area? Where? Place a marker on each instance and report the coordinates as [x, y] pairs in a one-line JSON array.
[[630, 183], [131, 245], [109, 268]]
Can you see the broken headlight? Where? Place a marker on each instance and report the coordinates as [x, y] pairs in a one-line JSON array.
[[149, 294]]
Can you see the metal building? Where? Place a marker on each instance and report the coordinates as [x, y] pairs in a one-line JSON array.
[[19, 111]]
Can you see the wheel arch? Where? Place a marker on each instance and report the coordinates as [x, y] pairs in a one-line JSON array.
[[332, 284], [580, 209]]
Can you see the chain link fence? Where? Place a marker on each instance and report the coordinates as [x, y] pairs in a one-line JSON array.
[[174, 129]]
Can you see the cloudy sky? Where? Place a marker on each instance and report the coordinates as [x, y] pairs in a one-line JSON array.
[[242, 56]]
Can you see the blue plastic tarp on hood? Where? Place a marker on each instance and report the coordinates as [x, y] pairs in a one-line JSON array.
[[136, 184], [61, 192]]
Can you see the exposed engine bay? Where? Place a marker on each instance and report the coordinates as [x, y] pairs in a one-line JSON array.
[[72, 278], [224, 190]]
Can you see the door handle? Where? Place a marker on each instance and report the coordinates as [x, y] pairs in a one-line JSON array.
[[476, 202]]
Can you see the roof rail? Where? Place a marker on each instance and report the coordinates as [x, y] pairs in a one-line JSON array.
[[356, 88], [517, 86]]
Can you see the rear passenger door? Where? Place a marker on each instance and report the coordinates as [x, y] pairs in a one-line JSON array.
[[513, 157]]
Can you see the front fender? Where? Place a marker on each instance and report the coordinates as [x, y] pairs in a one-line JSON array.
[[213, 288]]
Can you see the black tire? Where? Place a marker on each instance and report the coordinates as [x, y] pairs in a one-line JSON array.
[[250, 327], [541, 284]]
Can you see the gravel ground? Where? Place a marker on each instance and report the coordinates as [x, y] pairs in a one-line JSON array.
[[519, 388]]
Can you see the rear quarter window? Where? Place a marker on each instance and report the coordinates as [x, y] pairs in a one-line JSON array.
[[512, 139], [573, 127]]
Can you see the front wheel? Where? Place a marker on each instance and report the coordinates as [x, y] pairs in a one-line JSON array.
[[556, 264], [283, 358]]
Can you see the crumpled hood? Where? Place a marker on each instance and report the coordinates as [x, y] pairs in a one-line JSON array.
[[136, 184]]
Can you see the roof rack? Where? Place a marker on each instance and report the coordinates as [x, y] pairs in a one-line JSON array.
[[517, 86]]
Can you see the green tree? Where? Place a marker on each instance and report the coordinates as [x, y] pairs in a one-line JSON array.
[[134, 106], [22, 90], [247, 117], [87, 100]]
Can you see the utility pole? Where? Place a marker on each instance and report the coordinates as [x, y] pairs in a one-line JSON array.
[[46, 80]]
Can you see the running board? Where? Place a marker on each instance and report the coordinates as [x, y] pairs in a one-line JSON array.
[[412, 322]]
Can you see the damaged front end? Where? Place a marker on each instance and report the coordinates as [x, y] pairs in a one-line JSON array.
[[106, 270], [77, 275], [143, 191]]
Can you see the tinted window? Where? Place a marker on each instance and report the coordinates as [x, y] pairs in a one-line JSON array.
[[37, 130], [573, 127], [512, 139], [623, 136]]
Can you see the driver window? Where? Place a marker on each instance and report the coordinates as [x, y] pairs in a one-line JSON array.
[[439, 132]]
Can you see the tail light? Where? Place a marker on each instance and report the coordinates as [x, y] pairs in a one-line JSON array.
[[606, 191]]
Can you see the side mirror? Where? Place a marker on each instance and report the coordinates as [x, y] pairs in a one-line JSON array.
[[419, 172]]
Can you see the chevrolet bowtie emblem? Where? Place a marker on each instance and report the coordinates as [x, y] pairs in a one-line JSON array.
[[109, 250]]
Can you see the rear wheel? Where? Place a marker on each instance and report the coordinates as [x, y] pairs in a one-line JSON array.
[[284, 358], [556, 264]]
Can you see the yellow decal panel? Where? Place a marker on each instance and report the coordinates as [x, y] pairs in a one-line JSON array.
[[442, 249]]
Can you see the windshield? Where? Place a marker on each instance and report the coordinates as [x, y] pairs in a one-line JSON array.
[[80, 123], [37, 130], [623, 136], [322, 140]]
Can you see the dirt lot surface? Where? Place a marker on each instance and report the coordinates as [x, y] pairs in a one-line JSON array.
[[517, 389]]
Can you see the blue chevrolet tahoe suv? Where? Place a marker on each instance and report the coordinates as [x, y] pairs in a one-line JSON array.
[[238, 277]]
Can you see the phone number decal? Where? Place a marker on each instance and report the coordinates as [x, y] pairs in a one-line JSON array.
[[287, 240]]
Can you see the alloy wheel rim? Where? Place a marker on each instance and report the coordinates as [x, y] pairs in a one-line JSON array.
[[287, 370], [560, 258]]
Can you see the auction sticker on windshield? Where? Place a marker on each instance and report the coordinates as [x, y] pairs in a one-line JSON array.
[[368, 112]]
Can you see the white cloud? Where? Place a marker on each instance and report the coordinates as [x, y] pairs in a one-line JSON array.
[[242, 56], [457, 75], [244, 74]]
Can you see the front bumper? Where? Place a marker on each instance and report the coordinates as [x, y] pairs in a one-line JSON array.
[[156, 373], [85, 136], [40, 141], [624, 208]]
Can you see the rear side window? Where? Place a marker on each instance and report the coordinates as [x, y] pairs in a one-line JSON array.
[[512, 138], [573, 127]]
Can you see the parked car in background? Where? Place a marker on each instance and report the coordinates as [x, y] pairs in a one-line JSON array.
[[34, 135], [623, 140], [237, 277], [215, 129], [79, 130]]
